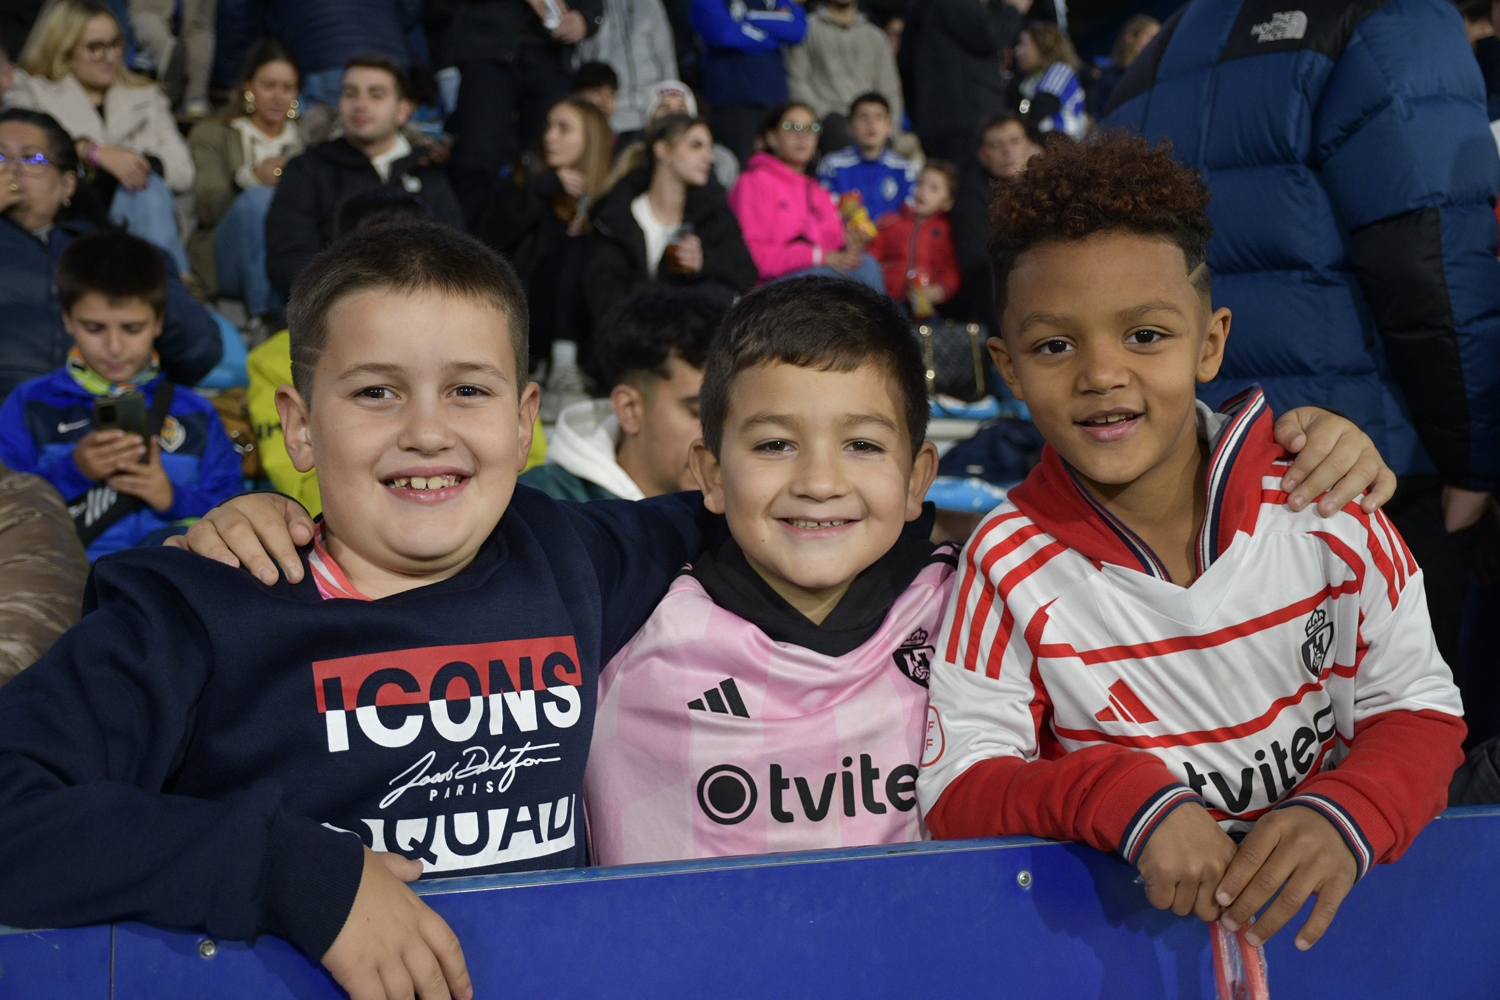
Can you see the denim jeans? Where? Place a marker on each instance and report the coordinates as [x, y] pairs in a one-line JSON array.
[[151, 214], [240, 253], [868, 273]]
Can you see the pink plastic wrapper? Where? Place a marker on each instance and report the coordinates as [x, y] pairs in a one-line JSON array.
[[1239, 966]]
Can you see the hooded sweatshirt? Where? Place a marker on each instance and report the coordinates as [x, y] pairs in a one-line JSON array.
[[789, 221], [581, 462]]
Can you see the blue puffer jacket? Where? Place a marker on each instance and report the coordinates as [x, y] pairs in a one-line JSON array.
[[1354, 179]]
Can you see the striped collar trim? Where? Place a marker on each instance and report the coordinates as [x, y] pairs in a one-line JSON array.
[[1243, 411], [1134, 544], [327, 575]]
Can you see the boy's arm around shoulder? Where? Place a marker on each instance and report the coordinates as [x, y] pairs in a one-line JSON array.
[[991, 766], [1407, 730], [90, 736]]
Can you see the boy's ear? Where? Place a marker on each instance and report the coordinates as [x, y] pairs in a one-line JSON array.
[[404, 111], [1000, 354], [295, 421], [531, 401], [1211, 357], [923, 472], [708, 474], [630, 408]]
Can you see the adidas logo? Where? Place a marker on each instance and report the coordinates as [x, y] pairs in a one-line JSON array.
[[1125, 706], [722, 700]]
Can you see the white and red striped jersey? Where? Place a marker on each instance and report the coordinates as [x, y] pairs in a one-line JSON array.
[[1079, 694]]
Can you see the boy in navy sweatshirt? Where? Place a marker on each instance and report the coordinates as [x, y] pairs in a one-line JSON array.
[[205, 750]]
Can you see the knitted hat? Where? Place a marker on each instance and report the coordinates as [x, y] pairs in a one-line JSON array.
[[671, 88]]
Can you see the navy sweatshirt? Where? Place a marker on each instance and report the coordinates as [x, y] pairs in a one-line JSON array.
[[188, 754]]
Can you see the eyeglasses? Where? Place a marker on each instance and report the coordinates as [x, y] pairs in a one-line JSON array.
[[799, 127], [31, 165], [101, 49]]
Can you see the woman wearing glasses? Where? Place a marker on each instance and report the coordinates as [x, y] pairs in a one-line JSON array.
[[791, 224], [73, 68], [39, 216]]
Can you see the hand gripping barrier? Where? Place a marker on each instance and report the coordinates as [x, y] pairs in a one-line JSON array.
[[985, 918]]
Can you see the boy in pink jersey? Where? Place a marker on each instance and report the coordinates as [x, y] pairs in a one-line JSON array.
[[1148, 648]]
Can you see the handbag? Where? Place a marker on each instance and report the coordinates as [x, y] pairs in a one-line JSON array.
[[953, 354]]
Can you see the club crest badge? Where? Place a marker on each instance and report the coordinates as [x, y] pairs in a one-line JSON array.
[[173, 434], [914, 657], [1319, 641]]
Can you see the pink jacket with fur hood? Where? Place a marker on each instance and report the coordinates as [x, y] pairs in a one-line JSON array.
[[789, 221]]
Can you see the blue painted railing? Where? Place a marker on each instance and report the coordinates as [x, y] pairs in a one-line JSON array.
[[987, 918]]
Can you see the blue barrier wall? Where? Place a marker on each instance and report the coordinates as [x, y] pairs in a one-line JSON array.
[[957, 919]]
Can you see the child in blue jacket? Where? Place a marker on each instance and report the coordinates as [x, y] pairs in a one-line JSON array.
[[119, 486]]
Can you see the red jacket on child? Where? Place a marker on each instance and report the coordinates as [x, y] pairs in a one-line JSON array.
[[905, 244]]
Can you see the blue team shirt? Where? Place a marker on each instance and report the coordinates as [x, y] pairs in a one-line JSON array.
[[884, 182]]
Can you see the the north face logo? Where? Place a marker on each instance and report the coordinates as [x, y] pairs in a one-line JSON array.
[[722, 700], [1319, 641], [1124, 706], [914, 657], [1288, 25]]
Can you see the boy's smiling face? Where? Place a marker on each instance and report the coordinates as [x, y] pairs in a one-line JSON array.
[[815, 476], [418, 427], [1105, 338]]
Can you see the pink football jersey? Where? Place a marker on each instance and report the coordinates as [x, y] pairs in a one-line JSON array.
[[712, 739]]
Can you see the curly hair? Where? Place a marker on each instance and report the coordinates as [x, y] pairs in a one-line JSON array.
[[1113, 182]]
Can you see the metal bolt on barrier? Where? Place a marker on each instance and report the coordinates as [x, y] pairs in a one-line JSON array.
[[207, 948], [1023, 879]]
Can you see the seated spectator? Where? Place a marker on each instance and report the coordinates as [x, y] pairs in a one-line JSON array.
[[598, 84], [915, 245], [120, 485], [270, 364], [240, 156], [635, 444], [842, 57], [666, 224], [883, 177], [42, 570], [39, 175], [182, 65], [790, 223], [1006, 144], [743, 74], [1134, 36], [1048, 65], [636, 40], [538, 217], [73, 68], [372, 152]]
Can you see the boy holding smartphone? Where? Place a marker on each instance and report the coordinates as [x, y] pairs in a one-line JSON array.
[[127, 450]]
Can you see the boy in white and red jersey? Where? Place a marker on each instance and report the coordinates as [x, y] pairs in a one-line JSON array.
[[1148, 648]]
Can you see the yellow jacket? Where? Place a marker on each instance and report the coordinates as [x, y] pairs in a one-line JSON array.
[[270, 366]]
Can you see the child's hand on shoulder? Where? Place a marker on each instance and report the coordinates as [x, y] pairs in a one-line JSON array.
[[392, 945], [250, 531], [1334, 457], [1294, 851], [1183, 862]]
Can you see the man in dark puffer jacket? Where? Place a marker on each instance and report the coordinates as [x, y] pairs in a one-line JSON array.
[[1354, 178]]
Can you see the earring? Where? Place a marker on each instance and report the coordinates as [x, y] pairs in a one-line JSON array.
[[249, 103], [291, 112]]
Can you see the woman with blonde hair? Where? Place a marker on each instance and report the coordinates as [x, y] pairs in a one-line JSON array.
[[1050, 93], [239, 155], [73, 68], [538, 216]]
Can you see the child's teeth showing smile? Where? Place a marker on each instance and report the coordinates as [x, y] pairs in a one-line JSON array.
[[424, 483], [1110, 426], [806, 525]]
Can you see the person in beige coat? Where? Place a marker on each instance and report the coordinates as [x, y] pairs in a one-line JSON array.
[[42, 570], [842, 57], [239, 155], [73, 68]]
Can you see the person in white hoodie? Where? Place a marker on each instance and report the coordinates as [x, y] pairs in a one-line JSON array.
[[635, 443]]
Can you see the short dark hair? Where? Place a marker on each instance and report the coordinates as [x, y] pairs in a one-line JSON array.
[[114, 264], [646, 329], [829, 324], [416, 257], [1113, 182], [379, 206], [379, 60], [596, 74], [60, 148], [869, 97], [1007, 117], [949, 171]]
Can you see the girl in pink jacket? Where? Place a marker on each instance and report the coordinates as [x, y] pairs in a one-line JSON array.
[[790, 222]]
